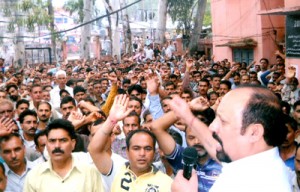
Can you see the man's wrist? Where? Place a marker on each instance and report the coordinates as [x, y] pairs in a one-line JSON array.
[[112, 120]]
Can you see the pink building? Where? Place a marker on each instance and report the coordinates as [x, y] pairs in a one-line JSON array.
[[247, 30]]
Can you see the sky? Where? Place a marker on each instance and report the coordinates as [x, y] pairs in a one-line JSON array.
[[58, 3]]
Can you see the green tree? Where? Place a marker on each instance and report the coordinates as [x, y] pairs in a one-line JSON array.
[[207, 15], [181, 11], [23, 15], [198, 23], [75, 8], [189, 21]]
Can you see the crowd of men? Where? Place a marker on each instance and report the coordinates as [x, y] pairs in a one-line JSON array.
[[94, 125]]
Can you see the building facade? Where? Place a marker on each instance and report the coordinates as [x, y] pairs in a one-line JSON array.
[[245, 30]]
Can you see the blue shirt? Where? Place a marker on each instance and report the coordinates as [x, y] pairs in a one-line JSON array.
[[207, 173], [290, 163], [157, 112]]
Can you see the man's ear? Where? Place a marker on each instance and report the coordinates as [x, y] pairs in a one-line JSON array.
[[73, 144], [255, 132]]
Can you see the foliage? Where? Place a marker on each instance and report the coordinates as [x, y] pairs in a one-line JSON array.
[[27, 13], [181, 11], [75, 7], [207, 15]]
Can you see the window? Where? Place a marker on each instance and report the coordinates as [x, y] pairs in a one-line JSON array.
[[58, 20], [243, 55]]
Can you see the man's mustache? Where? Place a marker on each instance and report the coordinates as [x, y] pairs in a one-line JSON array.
[[216, 137], [198, 146], [58, 150], [32, 129]]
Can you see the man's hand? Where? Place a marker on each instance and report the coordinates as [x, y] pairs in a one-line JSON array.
[[113, 78], [12, 80], [119, 109], [189, 64], [77, 119], [25, 94], [6, 126], [134, 80], [252, 63], [93, 116], [234, 69], [181, 109], [181, 184], [291, 72], [152, 84]]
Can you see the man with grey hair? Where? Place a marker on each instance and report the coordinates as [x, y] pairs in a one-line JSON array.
[[61, 80]]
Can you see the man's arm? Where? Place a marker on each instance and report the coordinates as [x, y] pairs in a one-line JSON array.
[[230, 72], [186, 79], [153, 96], [99, 154], [159, 128], [182, 110], [250, 66], [111, 96]]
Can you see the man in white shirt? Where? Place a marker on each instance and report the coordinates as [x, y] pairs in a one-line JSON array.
[[61, 79], [296, 175], [149, 53], [245, 135]]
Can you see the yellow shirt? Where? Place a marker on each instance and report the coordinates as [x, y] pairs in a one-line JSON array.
[[154, 181], [81, 178]]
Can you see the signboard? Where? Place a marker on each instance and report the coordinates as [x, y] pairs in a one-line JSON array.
[[293, 36]]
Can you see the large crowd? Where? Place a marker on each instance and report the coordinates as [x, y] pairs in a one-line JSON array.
[[122, 125]]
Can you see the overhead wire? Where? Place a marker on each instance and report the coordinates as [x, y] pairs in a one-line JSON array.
[[80, 25]]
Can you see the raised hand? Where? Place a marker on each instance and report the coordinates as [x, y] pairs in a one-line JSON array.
[[12, 80], [273, 68], [291, 72], [6, 126], [181, 108], [152, 84], [93, 116], [234, 68], [134, 80], [189, 64], [113, 78], [119, 109], [76, 119]]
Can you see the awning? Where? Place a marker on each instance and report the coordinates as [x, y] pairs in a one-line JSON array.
[[281, 11], [247, 43]]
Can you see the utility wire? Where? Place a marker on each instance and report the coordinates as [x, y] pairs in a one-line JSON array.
[[78, 26]]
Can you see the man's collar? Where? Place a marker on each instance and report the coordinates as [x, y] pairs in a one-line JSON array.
[[153, 170], [29, 165], [75, 165]]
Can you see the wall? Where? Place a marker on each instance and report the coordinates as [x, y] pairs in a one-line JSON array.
[[237, 19]]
